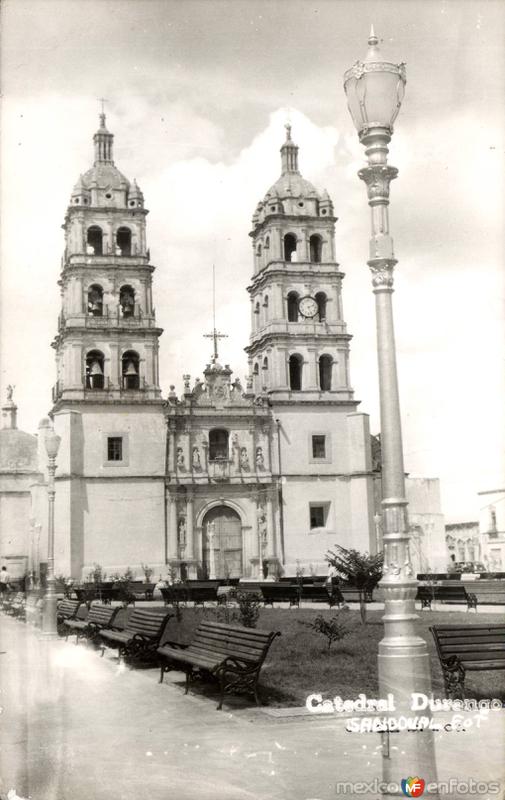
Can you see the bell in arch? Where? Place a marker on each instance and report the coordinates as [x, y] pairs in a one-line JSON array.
[[96, 369], [130, 369]]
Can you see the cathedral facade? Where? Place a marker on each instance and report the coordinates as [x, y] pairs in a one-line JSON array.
[[224, 480]]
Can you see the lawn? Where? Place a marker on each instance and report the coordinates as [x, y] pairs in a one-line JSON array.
[[299, 662]]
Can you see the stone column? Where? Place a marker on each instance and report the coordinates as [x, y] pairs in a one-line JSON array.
[[282, 368], [172, 527], [312, 369], [255, 541], [303, 246], [190, 552]]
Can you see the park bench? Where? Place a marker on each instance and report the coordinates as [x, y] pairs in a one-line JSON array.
[[98, 618], [16, 607], [281, 593], [10, 599], [200, 593], [351, 593], [320, 593], [231, 654], [140, 636], [489, 589], [141, 591], [464, 648], [85, 596], [65, 610], [174, 594], [446, 594]]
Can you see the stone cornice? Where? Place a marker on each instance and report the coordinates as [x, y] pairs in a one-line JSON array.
[[297, 219], [309, 271], [289, 339]]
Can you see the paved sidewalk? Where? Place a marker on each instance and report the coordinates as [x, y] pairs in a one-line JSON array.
[[78, 727]]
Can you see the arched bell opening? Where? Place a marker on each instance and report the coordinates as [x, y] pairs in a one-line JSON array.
[[290, 247], [295, 372], [95, 301], [292, 303], [94, 240], [321, 301], [316, 248], [95, 362], [325, 368], [127, 301], [124, 241], [130, 370]]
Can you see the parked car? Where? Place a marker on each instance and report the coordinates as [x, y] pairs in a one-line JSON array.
[[467, 566]]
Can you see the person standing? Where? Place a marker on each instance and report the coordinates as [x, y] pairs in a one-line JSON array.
[[4, 581]]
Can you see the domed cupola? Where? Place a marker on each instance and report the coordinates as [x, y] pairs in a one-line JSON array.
[[107, 185], [291, 193]]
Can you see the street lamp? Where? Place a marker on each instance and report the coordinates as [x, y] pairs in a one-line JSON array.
[[49, 629], [375, 90]]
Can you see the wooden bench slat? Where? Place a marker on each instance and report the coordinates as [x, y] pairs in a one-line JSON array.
[[253, 633], [228, 649], [252, 643]]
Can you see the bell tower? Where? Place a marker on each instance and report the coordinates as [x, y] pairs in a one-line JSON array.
[[299, 364], [107, 404], [299, 347], [107, 341]]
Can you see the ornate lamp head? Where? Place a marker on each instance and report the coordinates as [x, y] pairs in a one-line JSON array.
[[374, 90], [52, 442]]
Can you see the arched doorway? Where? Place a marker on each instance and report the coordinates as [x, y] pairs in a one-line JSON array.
[[222, 543]]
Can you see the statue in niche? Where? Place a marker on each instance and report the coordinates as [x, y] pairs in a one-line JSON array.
[[244, 458], [260, 460], [196, 458], [234, 440], [181, 533], [180, 457]]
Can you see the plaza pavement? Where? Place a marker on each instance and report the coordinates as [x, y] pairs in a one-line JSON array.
[[75, 726]]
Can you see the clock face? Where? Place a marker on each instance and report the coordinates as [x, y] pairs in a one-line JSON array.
[[307, 307]]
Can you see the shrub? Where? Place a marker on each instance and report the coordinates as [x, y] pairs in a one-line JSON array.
[[148, 571], [249, 604], [332, 629]]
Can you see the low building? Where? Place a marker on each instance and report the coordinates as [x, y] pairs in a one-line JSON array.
[[492, 528]]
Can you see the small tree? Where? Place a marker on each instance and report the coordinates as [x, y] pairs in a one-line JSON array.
[[148, 571], [97, 574], [362, 570], [249, 604], [332, 629]]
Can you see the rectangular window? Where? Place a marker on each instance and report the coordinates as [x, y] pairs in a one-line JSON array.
[[114, 448], [318, 515], [319, 447]]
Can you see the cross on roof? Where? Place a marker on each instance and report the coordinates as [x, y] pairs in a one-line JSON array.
[[215, 335]]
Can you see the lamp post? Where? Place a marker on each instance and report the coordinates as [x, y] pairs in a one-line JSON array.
[[375, 90], [49, 629]]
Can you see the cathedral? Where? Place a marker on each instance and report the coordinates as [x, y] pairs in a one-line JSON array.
[[225, 480]]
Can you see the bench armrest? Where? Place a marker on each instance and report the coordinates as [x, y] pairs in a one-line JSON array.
[[233, 664]]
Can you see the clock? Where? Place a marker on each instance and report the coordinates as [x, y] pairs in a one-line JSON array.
[[307, 306]]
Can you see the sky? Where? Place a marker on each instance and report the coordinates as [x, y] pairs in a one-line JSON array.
[[197, 96]]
